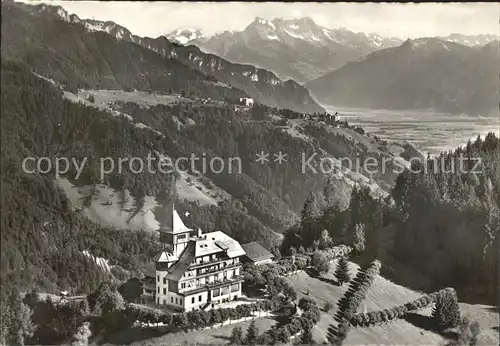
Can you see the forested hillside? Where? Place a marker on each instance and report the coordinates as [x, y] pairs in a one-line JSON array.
[[93, 54], [448, 224], [43, 237], [77, 58], [440, 226]]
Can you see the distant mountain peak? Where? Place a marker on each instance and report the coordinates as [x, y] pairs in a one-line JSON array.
[[186, 35], [471, 40]]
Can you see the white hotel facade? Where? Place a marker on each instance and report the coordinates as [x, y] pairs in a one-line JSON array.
[[197, 271]]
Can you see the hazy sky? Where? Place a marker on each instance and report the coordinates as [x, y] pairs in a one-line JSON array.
[[399, 20]]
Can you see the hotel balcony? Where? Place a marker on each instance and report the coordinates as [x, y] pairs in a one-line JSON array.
[[204, 263], [199, 272], [213, 284]]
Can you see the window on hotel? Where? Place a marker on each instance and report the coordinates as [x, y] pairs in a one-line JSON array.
[[216, 292], [235, 287], [176, 301], [199, 298], [158, 278], [165, 281], [158, 290], [171, 299], [192, 300], [164, 291], [181, 236], [183, 285]]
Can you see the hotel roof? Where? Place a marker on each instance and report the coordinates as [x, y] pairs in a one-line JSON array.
[[214, 242], [256, 252]]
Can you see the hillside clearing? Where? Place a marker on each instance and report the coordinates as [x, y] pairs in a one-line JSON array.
[[110, 207]]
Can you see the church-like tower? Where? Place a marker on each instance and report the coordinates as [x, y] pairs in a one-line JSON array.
[[175, 240]]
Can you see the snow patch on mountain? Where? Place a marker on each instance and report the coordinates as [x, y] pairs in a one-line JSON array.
[[186, 36], [266, 22], [293, 35]]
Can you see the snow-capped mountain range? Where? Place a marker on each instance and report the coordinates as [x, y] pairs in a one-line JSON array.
[[305, 50], [471, 40], [298, 48], [186, 36]]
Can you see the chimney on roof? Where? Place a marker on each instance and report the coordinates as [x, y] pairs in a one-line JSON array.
[[199, 232]]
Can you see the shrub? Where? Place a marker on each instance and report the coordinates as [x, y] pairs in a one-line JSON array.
[[306, 303], [468, 332], [321, 262], [328, 306]]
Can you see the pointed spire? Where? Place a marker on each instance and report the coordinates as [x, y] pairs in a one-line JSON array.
[[178, 225]]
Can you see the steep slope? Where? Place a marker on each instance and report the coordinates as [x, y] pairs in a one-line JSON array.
[[79, 58], [259, 84], [293, 48], [426, 73]]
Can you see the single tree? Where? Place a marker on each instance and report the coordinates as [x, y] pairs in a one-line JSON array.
[[5, 323], [289, 291], [468, 332], [446, 313], [311, 209], [320, 262], [252, 334], [81, 338], [21, 326], [236, 337], [306, 303], [282, 335], [342, 271], [359, 238], [329, 194], [307, 337], [131, 290], [325, 241]]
